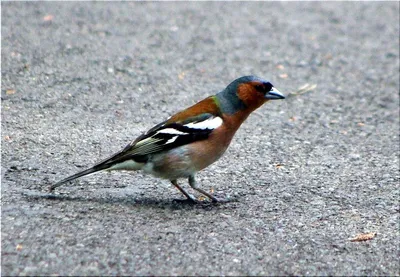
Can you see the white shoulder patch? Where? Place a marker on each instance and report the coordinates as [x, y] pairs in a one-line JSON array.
[[210, 123], [171, 131]]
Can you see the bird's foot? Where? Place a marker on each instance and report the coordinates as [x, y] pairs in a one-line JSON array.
[[187, 201], [205, 200]]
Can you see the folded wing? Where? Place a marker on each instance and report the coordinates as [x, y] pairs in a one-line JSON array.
[[166, 136]]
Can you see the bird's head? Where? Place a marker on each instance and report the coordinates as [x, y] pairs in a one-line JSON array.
[[247, 93]]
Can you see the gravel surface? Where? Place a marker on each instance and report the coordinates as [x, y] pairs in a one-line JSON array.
[[82, 79]]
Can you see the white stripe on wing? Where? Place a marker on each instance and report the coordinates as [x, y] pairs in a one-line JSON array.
[[210, 123]]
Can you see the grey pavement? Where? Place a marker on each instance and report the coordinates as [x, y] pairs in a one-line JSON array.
[[82, 79]]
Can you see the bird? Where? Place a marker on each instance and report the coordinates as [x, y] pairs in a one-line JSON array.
[[191, 139]]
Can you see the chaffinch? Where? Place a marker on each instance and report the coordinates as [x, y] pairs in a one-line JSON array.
[[192, 139]]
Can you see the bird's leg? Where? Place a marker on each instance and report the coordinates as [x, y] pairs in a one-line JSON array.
[[192, 183], [189, 197]]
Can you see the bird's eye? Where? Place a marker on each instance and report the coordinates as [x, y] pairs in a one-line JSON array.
[[268, 86], [264, 87]]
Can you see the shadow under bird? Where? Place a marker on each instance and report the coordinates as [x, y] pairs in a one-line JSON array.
[[192, 139]]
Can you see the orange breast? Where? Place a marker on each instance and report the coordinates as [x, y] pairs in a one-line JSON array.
[[203, 153]]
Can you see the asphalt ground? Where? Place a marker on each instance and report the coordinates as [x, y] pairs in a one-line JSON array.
[[82, 79]]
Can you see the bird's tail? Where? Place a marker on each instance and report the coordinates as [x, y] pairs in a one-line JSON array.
[[88, 171]]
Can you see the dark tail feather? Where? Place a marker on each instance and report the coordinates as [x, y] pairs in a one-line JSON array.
[[79, 174]]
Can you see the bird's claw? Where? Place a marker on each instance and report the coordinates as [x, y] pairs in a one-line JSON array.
[[223, 200], [204, 200]]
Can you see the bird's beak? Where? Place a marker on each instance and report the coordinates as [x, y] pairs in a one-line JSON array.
[[274, 94]]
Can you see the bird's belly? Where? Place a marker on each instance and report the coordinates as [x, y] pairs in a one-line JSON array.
[[172, 164], [182, 162]]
